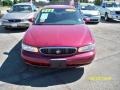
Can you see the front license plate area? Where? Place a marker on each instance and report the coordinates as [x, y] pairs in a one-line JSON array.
[[14, 25], [58, 63]]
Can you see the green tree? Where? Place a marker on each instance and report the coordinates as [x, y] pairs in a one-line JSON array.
[[98, 2], [15, 1]]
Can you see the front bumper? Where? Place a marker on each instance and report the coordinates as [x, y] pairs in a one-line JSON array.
[[93, 18], [16, 24], [115, 17], [71, 61]]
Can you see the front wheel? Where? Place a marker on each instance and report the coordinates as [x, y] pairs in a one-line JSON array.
[[106, 17]]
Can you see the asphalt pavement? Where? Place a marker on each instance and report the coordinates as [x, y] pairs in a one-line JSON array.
[[102, 74]]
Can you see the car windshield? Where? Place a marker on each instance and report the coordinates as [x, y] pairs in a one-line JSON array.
[[112, 4], [58, 17], [88, 7], [21, 8]]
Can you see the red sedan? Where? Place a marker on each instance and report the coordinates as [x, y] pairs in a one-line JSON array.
[[58, 38]]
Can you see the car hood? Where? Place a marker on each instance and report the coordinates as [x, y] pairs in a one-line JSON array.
[[114, 8], [90, 12], [58, 35], [17, 15]]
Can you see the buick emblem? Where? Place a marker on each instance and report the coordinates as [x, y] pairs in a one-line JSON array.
[[58, 51]]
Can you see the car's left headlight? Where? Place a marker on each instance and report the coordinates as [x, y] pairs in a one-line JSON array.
[[112, 12], [29, 48], [87, 48]]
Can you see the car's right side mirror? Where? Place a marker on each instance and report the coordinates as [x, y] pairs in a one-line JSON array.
[[103, 6], [8, 10], [35, 10]]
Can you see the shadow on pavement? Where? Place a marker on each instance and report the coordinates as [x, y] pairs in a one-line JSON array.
[[14, 71], [111, 21], [92, 23], [3, 30]]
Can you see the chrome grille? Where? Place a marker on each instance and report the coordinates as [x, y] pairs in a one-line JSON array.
[[117, 12], [14, 20], [93, 20], [58, 51]]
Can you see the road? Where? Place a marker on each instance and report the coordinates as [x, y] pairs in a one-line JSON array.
[[102, 74]]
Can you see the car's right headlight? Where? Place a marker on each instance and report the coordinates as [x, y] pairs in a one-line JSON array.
[[86, 48], [112, 12], [4, 20], [29, 48], [98, 13]]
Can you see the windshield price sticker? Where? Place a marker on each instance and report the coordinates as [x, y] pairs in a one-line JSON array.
[[48, 10], [43, 17]]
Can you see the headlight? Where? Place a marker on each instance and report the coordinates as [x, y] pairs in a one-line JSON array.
[[112, 12], [29, 48], [87, 48], [4, 20], [98, 13]]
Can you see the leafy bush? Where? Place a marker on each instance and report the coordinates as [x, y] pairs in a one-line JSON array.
[[7, 3], [98, 2]]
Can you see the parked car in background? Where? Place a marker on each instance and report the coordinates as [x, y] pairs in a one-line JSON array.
[[90, 12], [110, 10], [19, 16], [43, 1], [58, 38]]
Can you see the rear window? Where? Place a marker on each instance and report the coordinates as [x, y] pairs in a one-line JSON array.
[[58, 17]]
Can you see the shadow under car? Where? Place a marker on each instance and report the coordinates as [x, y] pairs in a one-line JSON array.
[[14, 71]]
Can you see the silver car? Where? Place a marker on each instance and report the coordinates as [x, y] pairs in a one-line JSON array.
[[19, 16], [90, 12]]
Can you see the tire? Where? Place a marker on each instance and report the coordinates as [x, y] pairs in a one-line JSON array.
[[106, 17]]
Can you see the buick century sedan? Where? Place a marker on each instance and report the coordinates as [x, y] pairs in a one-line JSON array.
[[19, 16], [58, 38]]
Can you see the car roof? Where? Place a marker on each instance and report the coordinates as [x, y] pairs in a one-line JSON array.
[[27, 3], [110, 2], [59, 6], [86, 3]]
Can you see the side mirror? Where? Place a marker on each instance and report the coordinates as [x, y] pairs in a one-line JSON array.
[[8, 10], [31, 20], [35, 10], [103, 6], [38, 7], [86, 20]]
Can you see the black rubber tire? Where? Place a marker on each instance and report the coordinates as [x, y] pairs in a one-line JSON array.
[[106, 17]]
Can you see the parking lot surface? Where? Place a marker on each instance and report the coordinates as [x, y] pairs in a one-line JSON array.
[[102, 74]]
